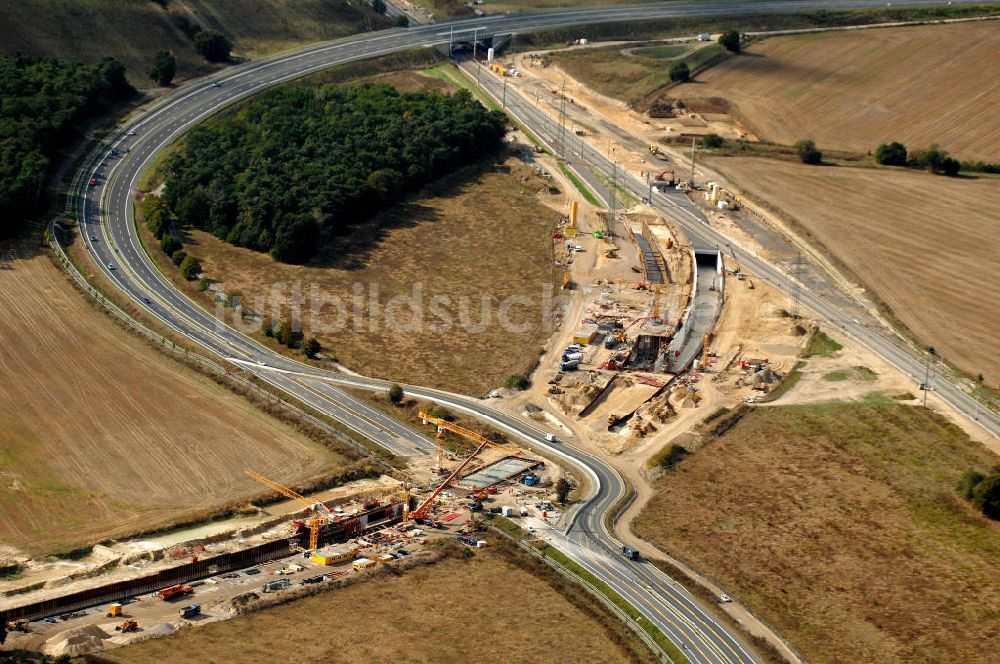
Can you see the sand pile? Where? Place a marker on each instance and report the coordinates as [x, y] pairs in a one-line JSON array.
[[76, 641]]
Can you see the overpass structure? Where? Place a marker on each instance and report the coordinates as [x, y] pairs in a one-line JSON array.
[[105, 212]]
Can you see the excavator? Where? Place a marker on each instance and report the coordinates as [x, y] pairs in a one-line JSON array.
[[668, 177]]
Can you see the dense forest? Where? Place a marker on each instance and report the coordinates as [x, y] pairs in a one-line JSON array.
[[292, 170], [43, 103]]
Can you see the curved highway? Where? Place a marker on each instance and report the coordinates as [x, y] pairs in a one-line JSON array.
[[105, 214]]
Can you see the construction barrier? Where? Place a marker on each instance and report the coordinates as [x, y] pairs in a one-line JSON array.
[[124, 590]]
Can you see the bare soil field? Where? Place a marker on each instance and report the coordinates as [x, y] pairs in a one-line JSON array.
[[925, 245], [840, 525], [101, 435], [477, 240], [133, 30], [853, 90], [483, 609]]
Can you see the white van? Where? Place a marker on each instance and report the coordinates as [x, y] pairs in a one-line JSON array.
[[551, 437]]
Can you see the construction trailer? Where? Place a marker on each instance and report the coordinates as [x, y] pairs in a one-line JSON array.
[[334, 556], [586, 334]]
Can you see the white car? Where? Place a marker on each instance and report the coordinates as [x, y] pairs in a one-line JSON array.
[[725, 599]]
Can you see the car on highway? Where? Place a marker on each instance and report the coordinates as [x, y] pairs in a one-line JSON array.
[[93, 182], [145, 300], [725, 599], [93, 238], [111, 266]]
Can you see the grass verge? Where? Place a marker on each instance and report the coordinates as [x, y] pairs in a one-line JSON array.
[[578, 183], [820, 345], [449, 73], [634, 614], [854, 373], [793, 377]]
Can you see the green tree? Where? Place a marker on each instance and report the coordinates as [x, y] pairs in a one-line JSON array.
[[163, 68], [283, 335], [950, 166], [808, 152], [178, 257], [190, 267], [930, 158], [986, 496], [379, 6], [396, 394], [45, 105], [310, 347], [730, 40], [674, 456], [213, 46], [517, 382], [680, 72], [267, 326], [401, 21], [968, 482], [170, 243], [563, 487], [257, 180], [891, 154], [712, 141]]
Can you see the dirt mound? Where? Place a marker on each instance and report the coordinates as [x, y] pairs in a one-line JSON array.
[[76, 641]]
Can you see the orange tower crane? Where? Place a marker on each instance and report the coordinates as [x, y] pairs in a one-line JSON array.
[[321, 514], [482, 441]]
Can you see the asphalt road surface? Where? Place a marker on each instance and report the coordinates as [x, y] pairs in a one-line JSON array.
[[106, 216]]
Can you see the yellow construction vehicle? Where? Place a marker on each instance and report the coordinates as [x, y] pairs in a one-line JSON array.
[[19, 625], [321, 514]]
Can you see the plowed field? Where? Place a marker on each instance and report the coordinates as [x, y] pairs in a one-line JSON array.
[[927, 246], [101, 435], [853, 90]]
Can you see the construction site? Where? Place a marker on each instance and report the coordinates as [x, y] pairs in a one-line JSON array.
[[138, 587]]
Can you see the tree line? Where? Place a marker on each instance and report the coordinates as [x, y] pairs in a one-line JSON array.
[[296, 168], [933, 159], [45, 103]]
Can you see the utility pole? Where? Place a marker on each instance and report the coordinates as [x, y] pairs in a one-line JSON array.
[[562, 118], [793, 286], [503, 104], [692, 161], [614, 203], [927, 373]]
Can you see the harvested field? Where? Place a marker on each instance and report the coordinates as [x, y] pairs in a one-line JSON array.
[[840, 524], [133, 30], [472, 242], [101, 435], [439, 613], [918, 241], [633, 73], [854, 90]]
